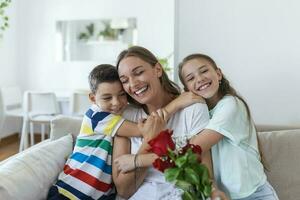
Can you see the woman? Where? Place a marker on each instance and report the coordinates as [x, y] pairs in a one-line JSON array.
[[149, 88]]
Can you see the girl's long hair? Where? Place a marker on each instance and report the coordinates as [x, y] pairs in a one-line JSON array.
[[137, 51]]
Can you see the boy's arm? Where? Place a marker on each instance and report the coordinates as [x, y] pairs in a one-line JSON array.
[[144, 128], [183, 100]]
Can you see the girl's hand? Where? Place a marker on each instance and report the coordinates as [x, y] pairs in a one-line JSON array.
[[151, 127], [188, 98], [183, 100], [217, 194], [125, 163]]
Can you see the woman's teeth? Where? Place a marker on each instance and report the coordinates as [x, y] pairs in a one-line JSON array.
[[141, 90]]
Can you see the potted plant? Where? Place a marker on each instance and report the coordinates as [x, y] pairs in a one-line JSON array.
[[108, 33], [86, 35], [3, 17]]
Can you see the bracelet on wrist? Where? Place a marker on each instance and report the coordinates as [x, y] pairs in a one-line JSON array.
[[134, 161]]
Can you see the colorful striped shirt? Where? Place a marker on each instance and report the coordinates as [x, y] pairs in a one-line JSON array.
[[87, 173]]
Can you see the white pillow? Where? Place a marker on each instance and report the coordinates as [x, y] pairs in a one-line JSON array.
[[30, 174]]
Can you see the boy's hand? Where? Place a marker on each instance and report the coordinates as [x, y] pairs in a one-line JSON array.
[[125, 163], [151, 127]]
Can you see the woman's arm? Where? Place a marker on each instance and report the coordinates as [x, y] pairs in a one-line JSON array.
[[126, 183], [125, 163]]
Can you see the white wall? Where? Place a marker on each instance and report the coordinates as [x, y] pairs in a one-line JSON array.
[[37, 34], [257, 45], [8, 53]]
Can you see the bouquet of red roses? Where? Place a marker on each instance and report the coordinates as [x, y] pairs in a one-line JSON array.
[[181, 166]]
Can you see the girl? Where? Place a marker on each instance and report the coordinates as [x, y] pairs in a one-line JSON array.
[[230, 132]]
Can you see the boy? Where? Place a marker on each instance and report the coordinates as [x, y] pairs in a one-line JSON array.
[[87, 172]]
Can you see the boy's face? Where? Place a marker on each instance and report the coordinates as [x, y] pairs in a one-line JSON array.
[[110, 97]]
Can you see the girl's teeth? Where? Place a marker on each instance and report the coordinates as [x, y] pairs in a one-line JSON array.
[[204, 86]]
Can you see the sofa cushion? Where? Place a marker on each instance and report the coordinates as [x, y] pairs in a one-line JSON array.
[[62, 125], [31, 173], [280, 150]]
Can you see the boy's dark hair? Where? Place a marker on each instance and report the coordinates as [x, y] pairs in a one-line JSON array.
[[102, 73]]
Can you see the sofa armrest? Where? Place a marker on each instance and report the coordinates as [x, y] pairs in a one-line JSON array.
[[280, 151], [63, 125]]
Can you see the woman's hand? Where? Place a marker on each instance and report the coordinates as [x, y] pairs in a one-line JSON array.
[[151, 127], [125, 163]]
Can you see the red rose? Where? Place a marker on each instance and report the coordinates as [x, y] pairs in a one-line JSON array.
[[195, 148], [161, 143], [185, 148], [161, 165]]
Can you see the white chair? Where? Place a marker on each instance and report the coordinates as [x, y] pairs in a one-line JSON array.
[[79, 102], [40, 108], [11, 98]]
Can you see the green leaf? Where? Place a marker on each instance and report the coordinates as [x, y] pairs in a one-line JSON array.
[[181, 160], [207, 190], [199, 188], [83, 36], [90, 29], [186, 186], [199, 168], [4, 4], [192, 158], [188, 196], [205, 176], [191, 176], [171, 154], [171, 174]]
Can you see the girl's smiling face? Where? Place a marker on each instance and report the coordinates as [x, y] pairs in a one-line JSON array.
[[140, 79], [201, 78]]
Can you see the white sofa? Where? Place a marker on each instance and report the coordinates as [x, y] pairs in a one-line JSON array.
[[29, 174]]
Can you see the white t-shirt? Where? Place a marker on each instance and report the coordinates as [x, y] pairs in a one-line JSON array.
[[236, 159], [185, 124]]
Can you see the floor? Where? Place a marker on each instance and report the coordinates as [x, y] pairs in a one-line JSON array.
[[10, 145]]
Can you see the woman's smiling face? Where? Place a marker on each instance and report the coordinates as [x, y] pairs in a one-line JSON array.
[[201, 78], [140, 79]]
